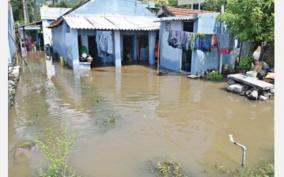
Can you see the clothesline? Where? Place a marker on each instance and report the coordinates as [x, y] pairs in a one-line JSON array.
[[199, 41]]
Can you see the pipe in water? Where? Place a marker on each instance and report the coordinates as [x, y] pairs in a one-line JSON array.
[[243, 147]]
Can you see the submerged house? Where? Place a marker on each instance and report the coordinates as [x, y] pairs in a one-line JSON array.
[[49, 15], [113, 32], [195, 22]]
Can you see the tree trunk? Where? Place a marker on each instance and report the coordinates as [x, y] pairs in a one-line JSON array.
[[25, 10]]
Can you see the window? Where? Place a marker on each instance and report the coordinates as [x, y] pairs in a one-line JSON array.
[[188, 26], [195, 6]]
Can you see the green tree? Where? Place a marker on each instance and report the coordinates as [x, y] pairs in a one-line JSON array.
[[60, 4], [18, 13], [250, 19], [161, 2], [214, 5], [173, 3]]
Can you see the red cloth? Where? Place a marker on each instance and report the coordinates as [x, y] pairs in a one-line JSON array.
[[224, 51], [157, 49]]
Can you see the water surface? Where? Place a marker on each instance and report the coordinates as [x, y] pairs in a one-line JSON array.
[[169, 117]]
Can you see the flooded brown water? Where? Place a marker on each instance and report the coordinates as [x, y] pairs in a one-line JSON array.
[[169, 117]]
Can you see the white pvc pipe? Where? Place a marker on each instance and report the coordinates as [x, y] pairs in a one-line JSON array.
[[243, 147]]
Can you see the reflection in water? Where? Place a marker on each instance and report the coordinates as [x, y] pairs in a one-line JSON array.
[[153, 116]]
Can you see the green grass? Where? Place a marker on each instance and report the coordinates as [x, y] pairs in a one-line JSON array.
[[56, 148], [214, 76], [167, 169], [264, 169]]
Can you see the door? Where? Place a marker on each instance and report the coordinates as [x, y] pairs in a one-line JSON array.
[[92, 45], [186, 54], [127, 48]]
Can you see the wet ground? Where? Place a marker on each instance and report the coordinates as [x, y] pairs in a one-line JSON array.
[[127, 117]]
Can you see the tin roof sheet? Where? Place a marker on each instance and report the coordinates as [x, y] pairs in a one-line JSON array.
[[113, 22]]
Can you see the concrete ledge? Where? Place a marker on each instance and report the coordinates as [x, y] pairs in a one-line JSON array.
[[85, 65]]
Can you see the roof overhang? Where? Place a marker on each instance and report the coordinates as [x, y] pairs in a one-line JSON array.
[[178, 18], [110, 22]]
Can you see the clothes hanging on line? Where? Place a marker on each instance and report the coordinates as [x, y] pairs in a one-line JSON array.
[[224, 51], [104, 43], [200, 41], [225, 43], [203, 42], [175, 39], [191, 40]]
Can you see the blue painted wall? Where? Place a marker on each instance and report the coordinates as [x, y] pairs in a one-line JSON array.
[[58, 40], [65, 43], [11, 36]]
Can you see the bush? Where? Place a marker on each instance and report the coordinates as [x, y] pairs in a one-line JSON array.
[[56, 147], [214, 76], [245, 63]]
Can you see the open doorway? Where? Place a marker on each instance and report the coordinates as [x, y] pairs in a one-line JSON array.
[[187, 54], [92, 45], [143, 51], [128, 49]]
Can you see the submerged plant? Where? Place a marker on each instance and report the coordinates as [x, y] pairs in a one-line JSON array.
[[56, 148], [168, 169], [110, 122]]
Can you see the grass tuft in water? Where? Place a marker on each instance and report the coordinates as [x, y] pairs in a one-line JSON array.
[[110, 122], [167, 169], [56, 148], [27, 144], [264, 169]]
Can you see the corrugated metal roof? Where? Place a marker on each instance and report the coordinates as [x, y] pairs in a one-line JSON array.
[[52, 13], [142, 23]]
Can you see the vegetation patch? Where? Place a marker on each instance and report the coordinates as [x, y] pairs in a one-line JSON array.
[[56, 148], [245, 64], [27, 144], [167, 169], [214, 76], [110, 122], [264, 169]]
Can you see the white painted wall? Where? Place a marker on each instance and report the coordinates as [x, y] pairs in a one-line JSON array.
[[47, 32]]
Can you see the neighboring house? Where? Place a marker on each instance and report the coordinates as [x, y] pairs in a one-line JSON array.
[[113, 32], [31, 35], [49, 15], [11, 36], [194, 4], [194, 21]]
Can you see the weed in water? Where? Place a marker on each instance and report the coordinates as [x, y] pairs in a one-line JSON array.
[[168, 169], [56, 148], [264, 169], [27, 144], [110, 122]]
